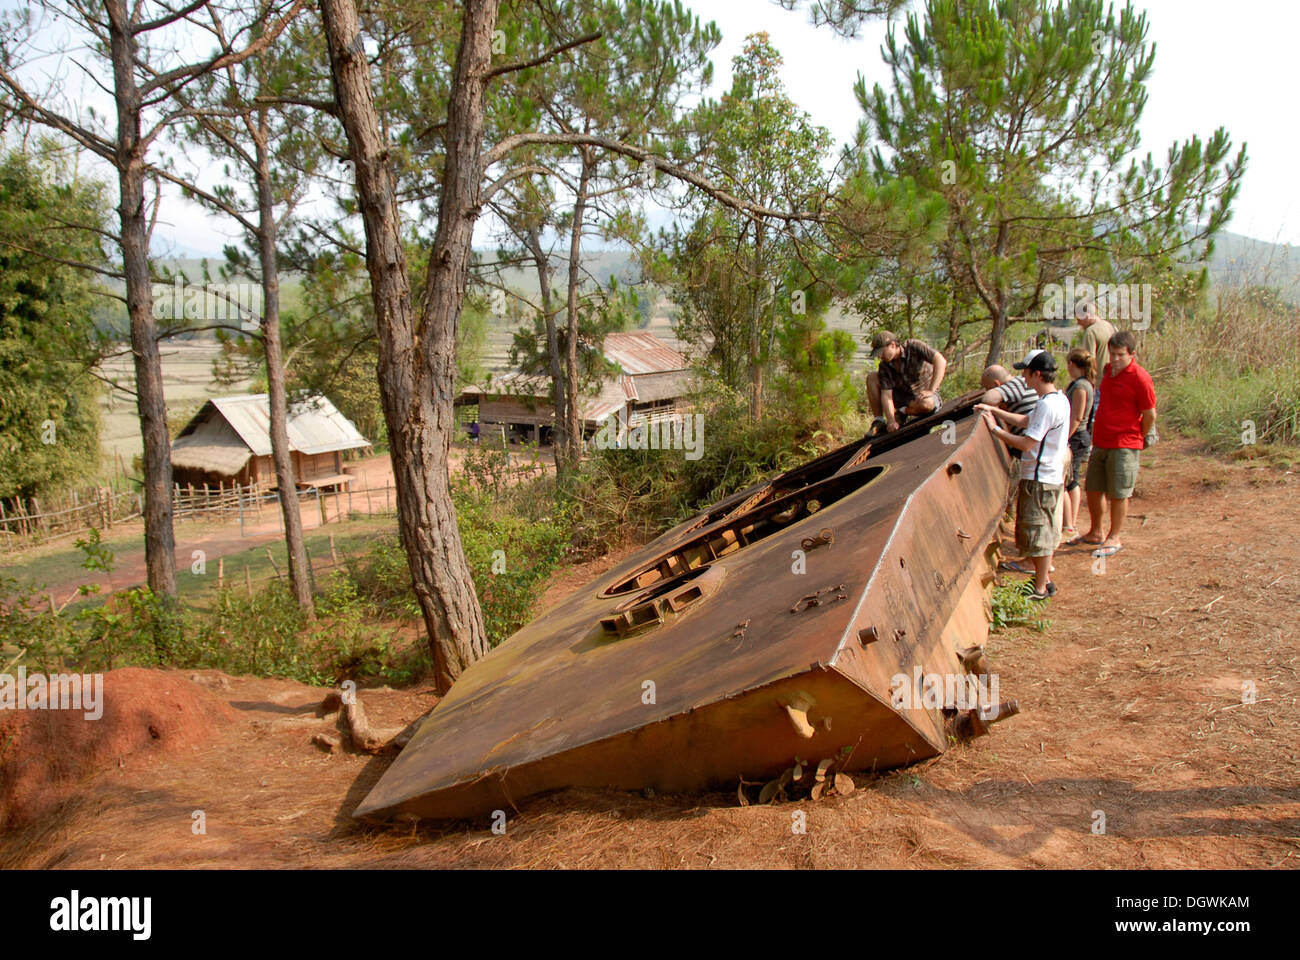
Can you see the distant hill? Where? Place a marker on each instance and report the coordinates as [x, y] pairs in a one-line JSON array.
[[1241, 259]]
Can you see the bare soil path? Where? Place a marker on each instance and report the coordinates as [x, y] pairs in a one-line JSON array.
[[1132, 711]]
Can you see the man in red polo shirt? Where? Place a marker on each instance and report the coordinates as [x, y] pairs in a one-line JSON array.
[[1124, 427]]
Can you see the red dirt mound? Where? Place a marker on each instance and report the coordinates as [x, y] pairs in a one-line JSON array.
[[44, 754]]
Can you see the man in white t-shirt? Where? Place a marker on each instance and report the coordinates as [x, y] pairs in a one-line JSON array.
[[1042, 467]]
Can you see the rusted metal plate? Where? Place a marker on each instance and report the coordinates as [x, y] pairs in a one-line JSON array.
[[725, 648]]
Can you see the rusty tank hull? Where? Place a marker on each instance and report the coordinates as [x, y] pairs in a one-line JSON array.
[[774, 625]]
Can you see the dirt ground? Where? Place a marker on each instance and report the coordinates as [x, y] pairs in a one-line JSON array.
[[1132, 710]]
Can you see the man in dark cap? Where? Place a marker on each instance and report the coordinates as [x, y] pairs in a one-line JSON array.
[[1042, 448], [907, 382]]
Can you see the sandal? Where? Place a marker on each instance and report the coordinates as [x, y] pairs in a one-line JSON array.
[[1108, 551], [1014, 566], [1082, 541]]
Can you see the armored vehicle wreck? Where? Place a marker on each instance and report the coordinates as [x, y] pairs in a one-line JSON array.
[[809, 616]]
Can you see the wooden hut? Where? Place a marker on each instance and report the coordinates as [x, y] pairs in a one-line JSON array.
[[229, 440], [651, 383]]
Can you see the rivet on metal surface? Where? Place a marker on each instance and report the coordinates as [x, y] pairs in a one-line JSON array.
[[963, 534], [868, 635], [954, 468], [823, 539], [815, 599], [900, 635]]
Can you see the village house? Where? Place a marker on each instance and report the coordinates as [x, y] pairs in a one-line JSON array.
[[229, 441], [650, 385]]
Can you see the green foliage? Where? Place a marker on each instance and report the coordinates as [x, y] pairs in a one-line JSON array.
[[1013, 608], [1224, 366], [727, 266], [815, 389], [1022, 116], [622, 495], [49, 413], [1221, 409], [511, 556], [602, 311]]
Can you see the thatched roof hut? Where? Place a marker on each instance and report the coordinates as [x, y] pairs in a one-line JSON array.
[[229, 440]]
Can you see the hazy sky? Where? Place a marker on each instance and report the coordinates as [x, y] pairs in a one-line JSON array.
[[1216, 65]]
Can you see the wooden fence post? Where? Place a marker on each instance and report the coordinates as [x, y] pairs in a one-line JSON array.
[[221, 573], [334, 556], [248, 580], [274, 566]]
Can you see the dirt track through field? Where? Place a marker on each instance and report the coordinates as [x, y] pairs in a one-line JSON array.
[[1132, 711]]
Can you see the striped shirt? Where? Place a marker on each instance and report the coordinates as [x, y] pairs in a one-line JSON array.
[[1018, 397]]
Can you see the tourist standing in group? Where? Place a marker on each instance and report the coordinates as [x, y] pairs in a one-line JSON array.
[[1095, 335], [1042, 448], [1124, 427], [1081, 392]]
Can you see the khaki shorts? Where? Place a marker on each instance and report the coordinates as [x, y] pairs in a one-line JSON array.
[[1036, 524], [1113, 471]]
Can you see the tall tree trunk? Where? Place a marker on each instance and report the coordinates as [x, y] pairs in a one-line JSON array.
[[299, 575], [417, 365], [755, 360], [954, 329], [996, 333], [159, 537], [574, 426], [559, 395]]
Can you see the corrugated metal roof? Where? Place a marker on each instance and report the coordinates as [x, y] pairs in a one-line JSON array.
[[314, 426], [642, 352], [612, 398]]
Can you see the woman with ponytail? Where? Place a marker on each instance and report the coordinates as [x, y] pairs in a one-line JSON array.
[[1081, 393]]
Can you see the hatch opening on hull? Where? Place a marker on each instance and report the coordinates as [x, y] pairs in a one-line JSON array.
[[736, 533]]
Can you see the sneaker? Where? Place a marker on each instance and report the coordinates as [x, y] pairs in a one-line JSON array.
[[1051, 588], [878, 426], [1041, 596]]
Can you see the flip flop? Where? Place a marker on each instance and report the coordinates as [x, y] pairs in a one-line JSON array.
[[1013, 567], [1083, 541], [1108, 551]]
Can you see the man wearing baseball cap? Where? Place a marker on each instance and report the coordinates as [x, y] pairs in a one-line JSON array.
[[906, 383], [1042, 465]]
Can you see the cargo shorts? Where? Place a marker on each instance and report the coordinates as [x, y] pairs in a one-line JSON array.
[[1113, 471], [1036, 523]]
